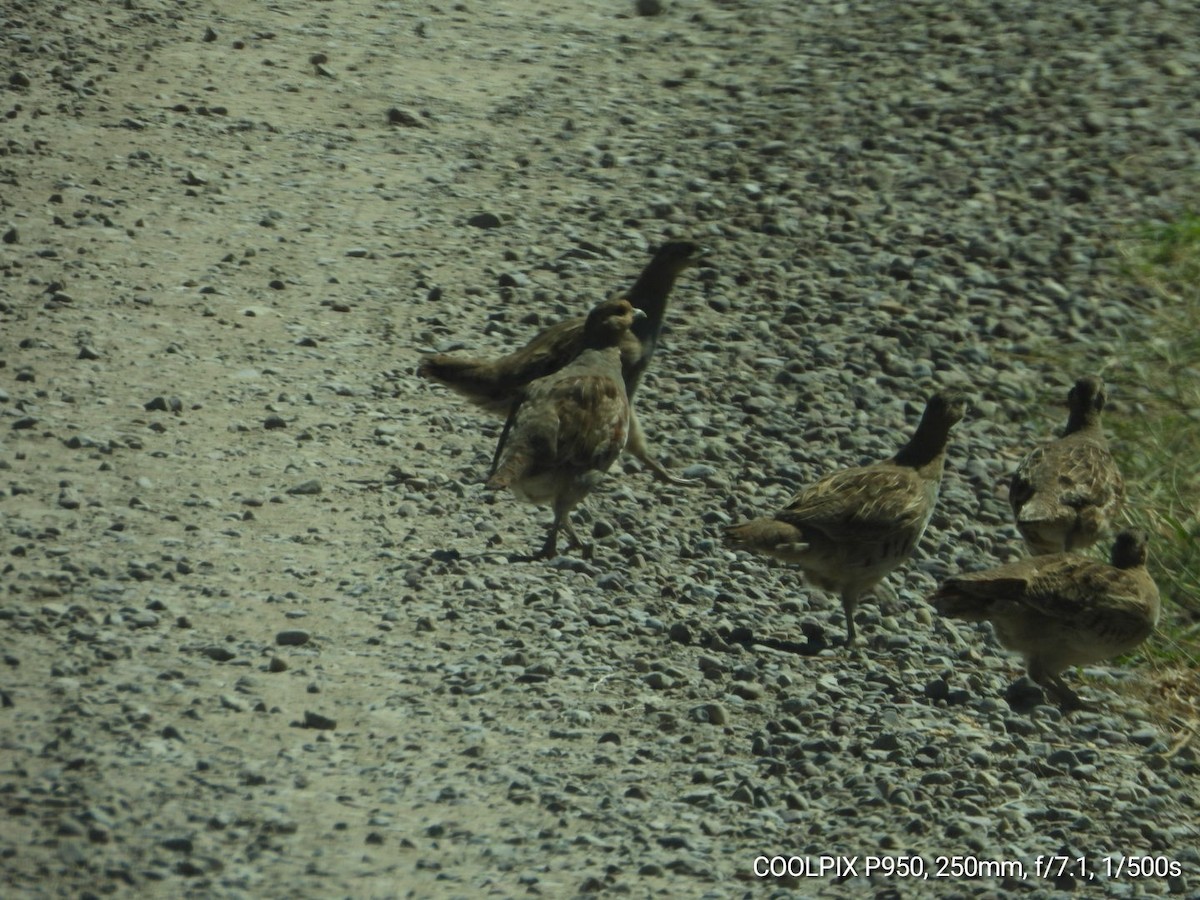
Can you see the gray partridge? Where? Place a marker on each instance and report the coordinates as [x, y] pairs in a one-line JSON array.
[[494, 385], [569, 426], [1061, 609], [1066, 494], [854, 526]]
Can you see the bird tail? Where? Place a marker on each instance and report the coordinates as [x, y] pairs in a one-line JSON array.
[[765, 535], [949, 601], [510, 469], [1038, 510], [498, 480], [475, 379], [1045, 535]]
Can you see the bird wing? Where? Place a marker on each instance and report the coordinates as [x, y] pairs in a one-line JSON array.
[[1027, 580], [548, 351], [1089, 587], [1065, 477], [527, 445], [495, 384], [1003, 589], [592, 416], [1022, 485], [1088, 476], [1063, 586], [866, 503]]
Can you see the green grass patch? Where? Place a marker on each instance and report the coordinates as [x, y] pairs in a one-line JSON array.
[[1156, 436], [1158, 427], [1153, 377]]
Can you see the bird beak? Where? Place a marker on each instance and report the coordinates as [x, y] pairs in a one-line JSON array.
[[638, 314]]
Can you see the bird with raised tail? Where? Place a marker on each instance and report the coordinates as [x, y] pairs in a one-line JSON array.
[[848, 530], [568, 427], [494, 385], [1066, 494], [1061, 609]]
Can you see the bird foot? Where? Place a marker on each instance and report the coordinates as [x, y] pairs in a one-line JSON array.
[[677, 480], [854, 650], [574, 543], [526, 557], [548, 551], [1068, 700], [586, 551], [660, 473], [1071, 702]]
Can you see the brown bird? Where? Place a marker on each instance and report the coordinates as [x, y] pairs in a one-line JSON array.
[[854, 526], [1061, 609], [496, 384], [569, 427], [1067, 493]]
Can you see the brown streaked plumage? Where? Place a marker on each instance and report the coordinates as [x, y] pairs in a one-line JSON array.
[[494, 385], [569, 427], [852, 527], [1061, 609], [1066, 494]]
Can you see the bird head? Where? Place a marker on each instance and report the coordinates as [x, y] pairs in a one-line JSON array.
[[681, 255], [609, 320], [1087, 396], [947, 406]]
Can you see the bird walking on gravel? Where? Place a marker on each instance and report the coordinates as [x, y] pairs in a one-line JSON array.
[[851, 528], [495, 385], [1066, 494], [1061, 609], [568, 427]]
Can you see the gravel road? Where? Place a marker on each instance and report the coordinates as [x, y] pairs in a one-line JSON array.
[[260, 631]]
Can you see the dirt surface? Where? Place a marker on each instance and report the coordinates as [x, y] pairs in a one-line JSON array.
[[260, 634]]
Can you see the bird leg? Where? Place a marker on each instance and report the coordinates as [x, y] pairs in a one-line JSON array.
[[849, 603], [585, 549], [1057, 689], [550, 547]]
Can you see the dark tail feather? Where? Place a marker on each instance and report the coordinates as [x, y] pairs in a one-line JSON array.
[[761, 534], [454, 370], [509, 470], [474, 379], [953, 603]]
